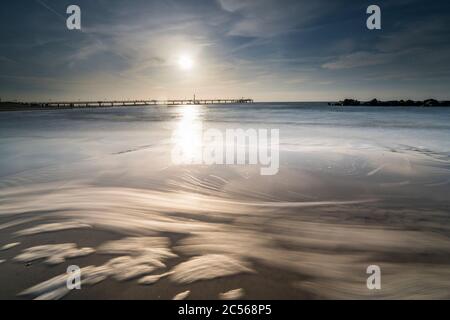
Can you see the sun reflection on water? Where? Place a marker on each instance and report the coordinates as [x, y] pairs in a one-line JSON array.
[[187, 137]]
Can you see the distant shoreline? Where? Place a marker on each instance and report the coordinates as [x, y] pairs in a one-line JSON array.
[[391, 103], [24, 106]]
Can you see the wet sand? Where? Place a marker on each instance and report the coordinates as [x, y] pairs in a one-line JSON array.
[[97, 190], [295, 250], [266, 283]]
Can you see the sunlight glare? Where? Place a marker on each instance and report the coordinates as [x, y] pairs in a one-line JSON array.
[[185, 62]]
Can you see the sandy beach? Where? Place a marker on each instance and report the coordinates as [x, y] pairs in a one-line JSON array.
[[105, 197]]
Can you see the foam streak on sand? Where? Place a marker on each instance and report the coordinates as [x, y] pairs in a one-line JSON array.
[[51, 227], [9, 246], [146, 254], [221, 237], [147, 280], [56, 288], [182, 295], [208, 267], [232, 294], [53, 253]]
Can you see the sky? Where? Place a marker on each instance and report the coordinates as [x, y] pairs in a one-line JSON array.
[[268, 50]]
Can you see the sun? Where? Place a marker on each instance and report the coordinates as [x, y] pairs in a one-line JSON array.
[[185, 62]]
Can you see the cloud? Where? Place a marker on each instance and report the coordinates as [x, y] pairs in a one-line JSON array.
[[427, 32], [89, 50], [6, 60], [359, 59], [266, 18]]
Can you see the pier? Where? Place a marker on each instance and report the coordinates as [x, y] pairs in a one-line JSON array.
[[125, 103]]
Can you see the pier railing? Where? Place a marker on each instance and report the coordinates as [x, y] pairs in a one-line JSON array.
[[112, 103]]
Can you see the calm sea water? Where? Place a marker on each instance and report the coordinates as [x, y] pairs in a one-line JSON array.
[[31, 140], [356, 186]]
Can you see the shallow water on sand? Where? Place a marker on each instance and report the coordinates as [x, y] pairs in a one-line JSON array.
[[356, 187]]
